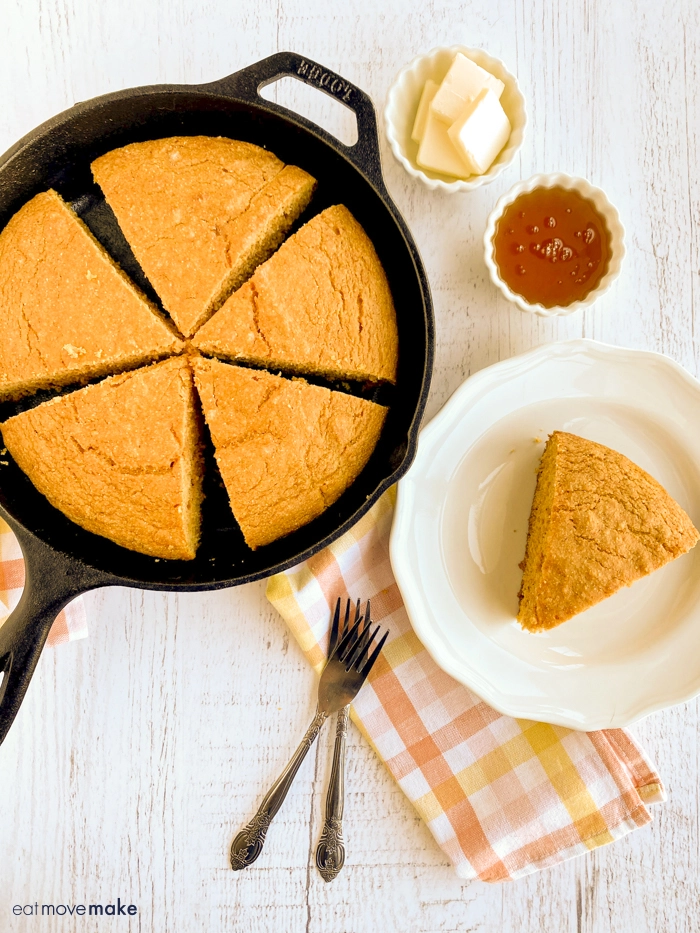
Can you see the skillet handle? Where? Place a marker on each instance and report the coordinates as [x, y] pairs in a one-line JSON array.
[[247, 83], [52, 580]]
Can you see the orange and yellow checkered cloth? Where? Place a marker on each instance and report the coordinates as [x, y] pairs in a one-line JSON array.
[[69, 625], [503, 797]]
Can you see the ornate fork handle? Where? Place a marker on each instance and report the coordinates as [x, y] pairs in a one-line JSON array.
[[248, 844], [330, 854]]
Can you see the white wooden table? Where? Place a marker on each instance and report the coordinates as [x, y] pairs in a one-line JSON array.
[[139, 751]]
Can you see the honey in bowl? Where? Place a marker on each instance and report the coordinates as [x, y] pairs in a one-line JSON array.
[[552, 246]]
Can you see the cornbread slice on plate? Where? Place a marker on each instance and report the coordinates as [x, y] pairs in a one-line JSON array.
[[67, 311], [200, 213], [286, 449], [120, 458], [320, 305], [598, 523]]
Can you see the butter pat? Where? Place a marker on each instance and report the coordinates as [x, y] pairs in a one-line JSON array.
[[426, 99], [462, 84], [436, 151], [480, 132]]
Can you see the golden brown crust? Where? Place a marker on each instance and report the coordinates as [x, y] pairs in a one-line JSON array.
[[258, 232], [67, 312], [320, 305], [607, 523], [120, 458], [198, 216], [286, 449]]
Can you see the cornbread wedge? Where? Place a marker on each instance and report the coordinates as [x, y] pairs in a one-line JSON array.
[[120, 458], [321, 304], [598, 523], [67, 311], [286, 449], [200, 213]]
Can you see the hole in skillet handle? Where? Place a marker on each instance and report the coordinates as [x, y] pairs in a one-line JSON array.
[[322, 109], [247, 84]]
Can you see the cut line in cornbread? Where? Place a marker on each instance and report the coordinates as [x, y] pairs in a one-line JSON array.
[[286, 450], [598, 522], [200, 213], [320, 305], [68, 313], [120, 458]]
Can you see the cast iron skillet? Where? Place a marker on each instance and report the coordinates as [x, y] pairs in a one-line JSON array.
[[62, 560]]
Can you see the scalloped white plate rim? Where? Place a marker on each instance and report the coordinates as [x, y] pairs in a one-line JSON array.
[[489, 378]]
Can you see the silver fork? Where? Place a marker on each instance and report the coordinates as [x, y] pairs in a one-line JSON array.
[[330, 853], [342, 677]]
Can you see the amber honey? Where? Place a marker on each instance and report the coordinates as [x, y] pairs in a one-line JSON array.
[[552, 246]]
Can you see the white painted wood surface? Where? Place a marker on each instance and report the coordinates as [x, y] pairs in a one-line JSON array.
[[140, 751]]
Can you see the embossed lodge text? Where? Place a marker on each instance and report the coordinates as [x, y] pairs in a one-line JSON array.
[[327, 80]]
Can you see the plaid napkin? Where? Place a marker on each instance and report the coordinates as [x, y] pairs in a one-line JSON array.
[[503, 797], [69, 625]]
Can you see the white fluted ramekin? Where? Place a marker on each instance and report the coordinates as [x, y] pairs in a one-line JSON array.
[[604, 208], [402, 103]]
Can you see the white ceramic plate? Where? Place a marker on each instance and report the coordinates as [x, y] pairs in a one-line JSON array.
[[461, 523]]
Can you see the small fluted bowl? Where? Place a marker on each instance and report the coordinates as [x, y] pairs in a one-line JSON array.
[[612, 221], [402, 103]]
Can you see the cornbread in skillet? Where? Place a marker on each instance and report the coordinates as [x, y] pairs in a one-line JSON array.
[[120, 458], [200, 212], [598, 523], [321, 304], [67, 311], [286, 450]]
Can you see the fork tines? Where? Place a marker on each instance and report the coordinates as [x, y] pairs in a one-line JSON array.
[[335, 625], [354, 646]]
